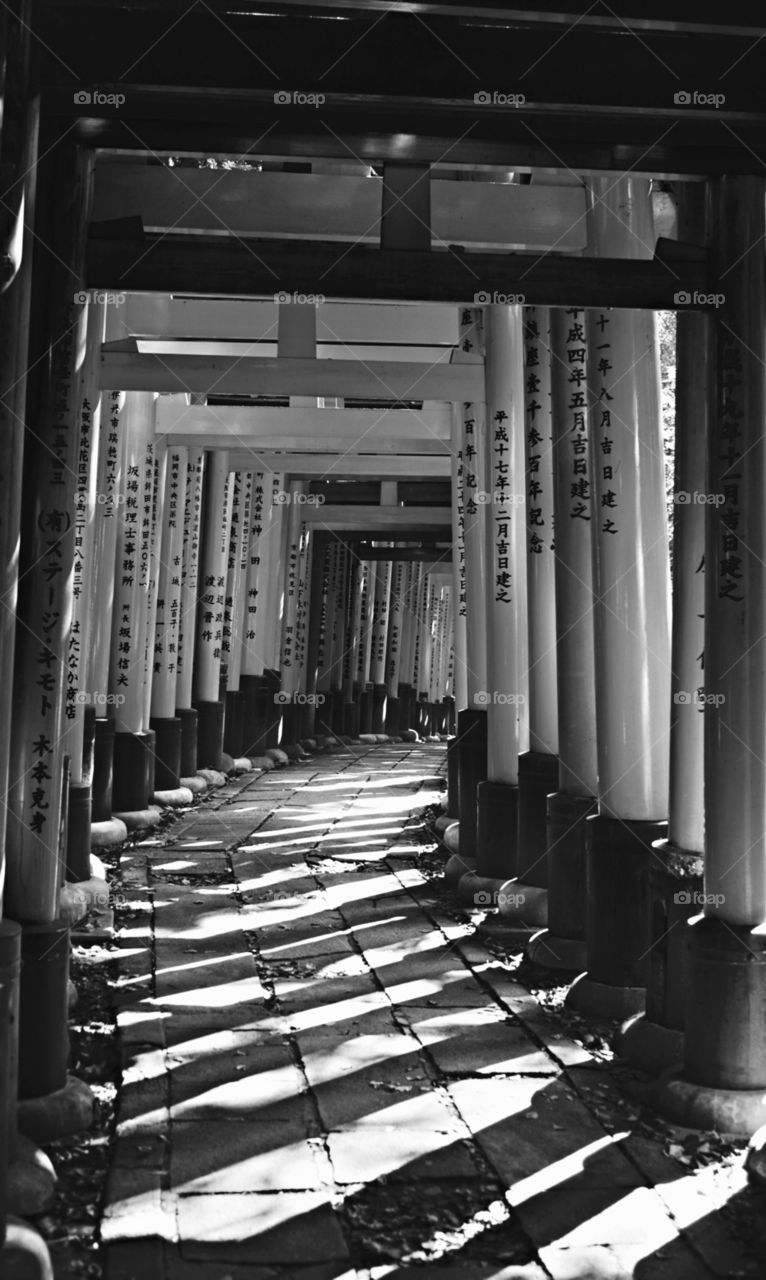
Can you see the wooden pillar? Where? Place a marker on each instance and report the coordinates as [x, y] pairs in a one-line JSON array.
[[723, 1081], [234, 615], [289, 664], [381, 603], [216, 523], [187, 623], [563, 945], [393, 653], [631, 618], [259, 710], [133, 745], [469, 436], [164, 722], [538, 767]]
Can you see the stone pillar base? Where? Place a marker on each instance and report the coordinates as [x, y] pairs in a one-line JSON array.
[[619, 853], [31, 1180], [722, 1084], [272, 717], [602, 1000], [167, 752], [392, 716], [210, 717], [549, 951], [379, 696], [365, 710], [538, 777], [472, 769], [56, 1115], [497, 809], [452, 778], [133, 781], [650, 1047], [188, 718], [234, 723], [24, 1254], [78, 833], [504, 932], [103, 762]]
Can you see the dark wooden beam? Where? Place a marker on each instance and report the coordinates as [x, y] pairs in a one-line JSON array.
[[261, 268]]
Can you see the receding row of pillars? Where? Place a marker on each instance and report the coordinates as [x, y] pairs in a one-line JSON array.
[[608, 772]]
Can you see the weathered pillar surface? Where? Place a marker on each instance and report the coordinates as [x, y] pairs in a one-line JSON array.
[[723, 1081], [631, 617], [654, 1041], [563, 946], [212, 589], [506, 684], [469, 439], [44, 613]]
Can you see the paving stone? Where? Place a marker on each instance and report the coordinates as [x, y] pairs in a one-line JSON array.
[[259, 1083], [497, 1048], [525, 1125], [297, 1227], [413, 1155], [130, 1259], [270, 1155], [135, 1207]]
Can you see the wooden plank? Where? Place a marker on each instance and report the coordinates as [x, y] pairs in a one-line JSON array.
[[175, 417], [375, 519], [381, 380], [153, 315], [227, 267], [331, 207], [317, 466]]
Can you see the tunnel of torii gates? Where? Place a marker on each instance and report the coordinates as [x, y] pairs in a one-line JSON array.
[[234, 524]]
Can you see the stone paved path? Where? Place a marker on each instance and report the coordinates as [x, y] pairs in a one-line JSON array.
[[324, 1075]]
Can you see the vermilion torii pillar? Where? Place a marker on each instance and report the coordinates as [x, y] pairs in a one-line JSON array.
[[723, 1081], [631, 618], [562, 946], [190, 552], [212, 589], [654, 1040], [164, 721], [497, 848], [469, 439]]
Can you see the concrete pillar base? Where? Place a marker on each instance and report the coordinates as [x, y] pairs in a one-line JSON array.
[[78, 833], [736, 1113], [133, 780], [177, 798], [472, 769], [278, 757], [139, 819], [504, 932], [188, 763], [209, 734], [31, 1180], [602, 1000], [213, 777], [103, 767], [234, 722], [441, 824], [272, 712], [456, 868], [392, 715], [497, 813], [551, 952], [567, 829], [723, 1081], [24, 1254], [523, 904], [379, 697], [196, 785], [105, 835], [56, 1115], [72, 905], [365, 710], [650, 1047], [538, 777], [618, 928], [167, 751], [755, 1160], [676, 892], [452, 778]]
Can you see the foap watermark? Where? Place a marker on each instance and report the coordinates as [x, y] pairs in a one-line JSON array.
[[96, 699], [698, 698], [296, 98], [696, 98], [696, 898], [111, 499], [283, 497], [497, 698], [685, 299], [485, 297], [308, 299], [497, 98], [284, 698], [83, 296], [483, 498], [95, 98], [683, 498]]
